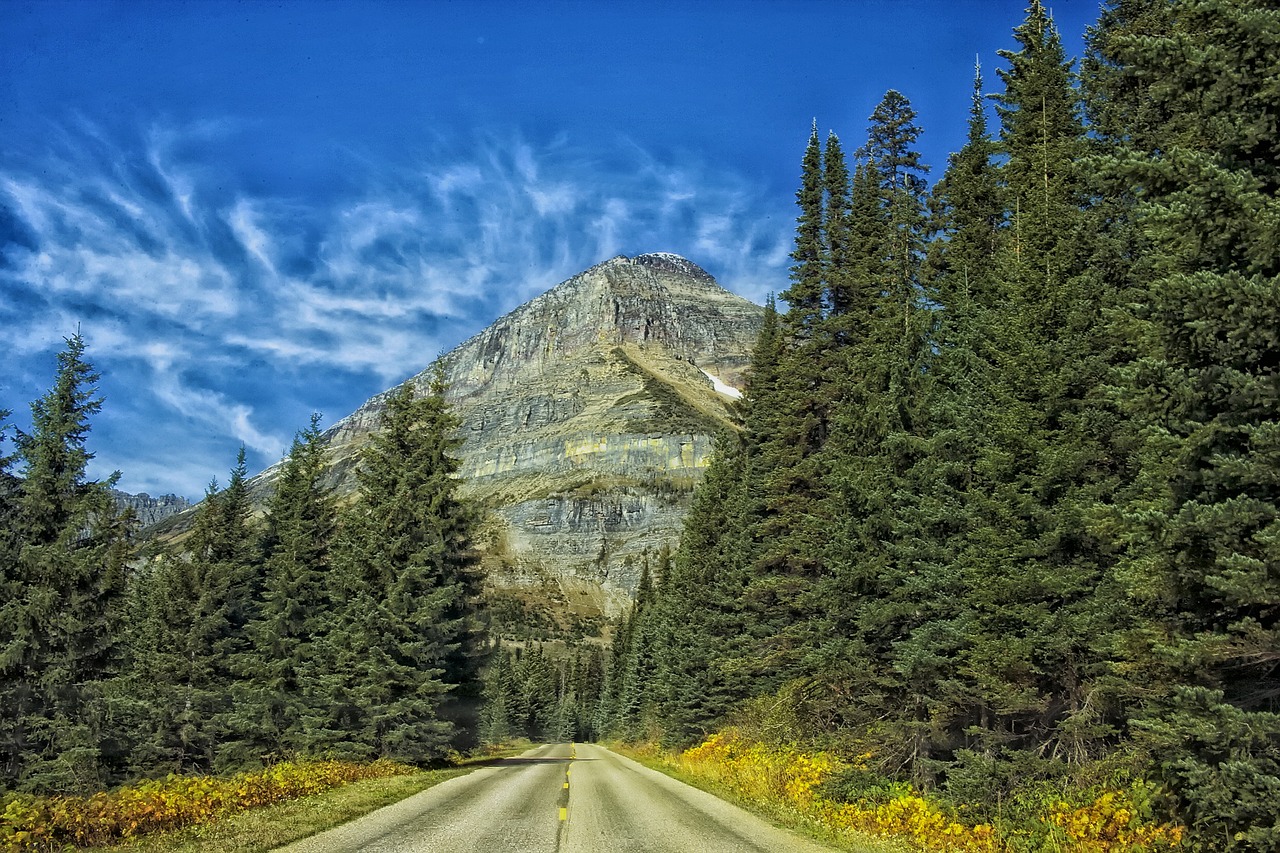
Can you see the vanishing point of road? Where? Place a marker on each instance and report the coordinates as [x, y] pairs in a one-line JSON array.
[[560, 798]]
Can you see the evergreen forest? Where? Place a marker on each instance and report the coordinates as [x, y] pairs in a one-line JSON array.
[[318, 630], [1000, 512]]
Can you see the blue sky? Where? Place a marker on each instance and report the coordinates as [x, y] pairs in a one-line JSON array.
[[255, 210]]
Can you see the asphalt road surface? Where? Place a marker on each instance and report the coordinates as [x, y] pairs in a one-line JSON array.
[[560, 798]]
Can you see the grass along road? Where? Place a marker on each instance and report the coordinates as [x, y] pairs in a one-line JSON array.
[[260, 830]]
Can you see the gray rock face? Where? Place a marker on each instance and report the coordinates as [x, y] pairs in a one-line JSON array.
[[149, 510], [587, 418]]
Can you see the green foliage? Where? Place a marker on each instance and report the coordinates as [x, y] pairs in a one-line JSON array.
[[279, 707], [530, 693], [805, 296], [188, 615], [64, 582], [1224, 765], [998, 515], [1004, 478], [406, 642], [1199, 86]]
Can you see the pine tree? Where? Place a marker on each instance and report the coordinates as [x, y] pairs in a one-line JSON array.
[[496, 722], [969, 213], [918, 602], [704, 643], [891, 140], [1194, 107], [788, 420], [635, 675], [588, 686], [62, 634], [875, 424], [189, 620], [281, 706], [412, 586], [1039, 597], [842, 286], [808, 280]]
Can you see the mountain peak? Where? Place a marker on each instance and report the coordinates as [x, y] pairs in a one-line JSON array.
[[656, 298], [665, 261], [587, 415]]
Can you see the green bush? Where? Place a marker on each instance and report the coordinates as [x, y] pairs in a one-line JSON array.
[[1223, 765]]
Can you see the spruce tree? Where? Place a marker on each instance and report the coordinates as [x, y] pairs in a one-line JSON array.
[[1198, 88], [410, 571], [891, 140], [188, 627], [588, 686], [496, 722], [1038, 592], [705, 642], [805, 296], [841, 285], [920, 606], [62, 634], [875, 424], [281, 706]]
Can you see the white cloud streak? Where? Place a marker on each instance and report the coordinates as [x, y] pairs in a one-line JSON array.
[[177, 275]]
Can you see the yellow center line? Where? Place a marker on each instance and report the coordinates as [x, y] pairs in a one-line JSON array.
[[564, 810]]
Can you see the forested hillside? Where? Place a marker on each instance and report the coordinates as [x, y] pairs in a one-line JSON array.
[[1002, 508]]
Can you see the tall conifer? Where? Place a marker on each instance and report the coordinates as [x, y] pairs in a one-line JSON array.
[[1200, 93], [191, 611], [281, 706], [1035, 573], [409, 633], [62, 625], [805, 296]]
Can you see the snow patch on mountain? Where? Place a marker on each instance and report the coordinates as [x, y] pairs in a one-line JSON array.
[[721, 387]]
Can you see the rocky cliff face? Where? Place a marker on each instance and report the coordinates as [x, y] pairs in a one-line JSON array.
[[587, 418], [147, 509]]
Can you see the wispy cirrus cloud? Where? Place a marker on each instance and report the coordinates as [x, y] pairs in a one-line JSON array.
[[220, 314]]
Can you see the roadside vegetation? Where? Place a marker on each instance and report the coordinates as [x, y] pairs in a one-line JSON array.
[[32, 822], [840, 800]]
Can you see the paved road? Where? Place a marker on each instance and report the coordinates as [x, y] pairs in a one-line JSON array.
[[560, 799]]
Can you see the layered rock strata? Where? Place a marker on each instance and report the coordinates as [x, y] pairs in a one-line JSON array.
[[588, 415]]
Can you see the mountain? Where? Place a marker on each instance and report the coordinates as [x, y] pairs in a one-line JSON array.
[[587, 417]]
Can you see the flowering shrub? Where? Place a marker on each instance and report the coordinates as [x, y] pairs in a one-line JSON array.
[[784, 775], [1108, 825], [30, 823]]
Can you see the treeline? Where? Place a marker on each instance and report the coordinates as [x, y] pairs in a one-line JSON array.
[[320, 630], [546, 696], [1003, 508], [582, 691]]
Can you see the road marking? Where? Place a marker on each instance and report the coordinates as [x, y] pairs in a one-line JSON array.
[[566, 786], [564, 813]]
